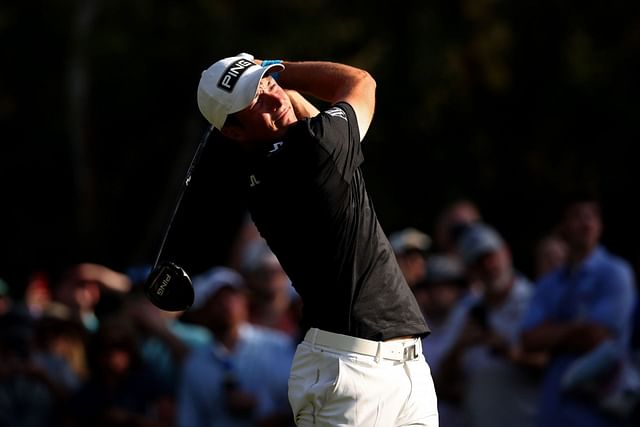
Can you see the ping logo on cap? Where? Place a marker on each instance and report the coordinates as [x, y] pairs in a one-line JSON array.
[[232, 74]]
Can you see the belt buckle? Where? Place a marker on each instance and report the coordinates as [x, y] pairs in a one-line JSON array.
[[410, 352]]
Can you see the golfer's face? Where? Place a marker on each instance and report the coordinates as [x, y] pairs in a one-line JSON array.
[[269, 113]]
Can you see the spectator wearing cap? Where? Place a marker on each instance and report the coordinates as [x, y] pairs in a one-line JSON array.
[[485, 367], [410, 247], [438, 296], [241, 378]]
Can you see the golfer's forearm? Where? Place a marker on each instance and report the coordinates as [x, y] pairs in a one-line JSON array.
[[328, 81], [334, 82]]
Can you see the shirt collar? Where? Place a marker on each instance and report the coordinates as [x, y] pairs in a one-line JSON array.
[[590, 262]]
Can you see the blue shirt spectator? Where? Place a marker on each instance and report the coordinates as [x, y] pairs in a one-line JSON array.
[[599, 291], [241, 378], [258, 365], [159, 355]]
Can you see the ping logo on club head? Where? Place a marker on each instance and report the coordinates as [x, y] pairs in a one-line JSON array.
[[165, 283], [232, 74]]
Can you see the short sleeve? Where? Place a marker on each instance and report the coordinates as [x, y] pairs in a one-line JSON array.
[[336, 131]]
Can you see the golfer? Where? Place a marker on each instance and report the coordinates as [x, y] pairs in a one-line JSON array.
[[361, 362]]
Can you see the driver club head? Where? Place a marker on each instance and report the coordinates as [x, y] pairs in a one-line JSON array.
[[169, 287]]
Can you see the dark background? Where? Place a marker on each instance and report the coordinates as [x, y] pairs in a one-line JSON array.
[[510, 103]]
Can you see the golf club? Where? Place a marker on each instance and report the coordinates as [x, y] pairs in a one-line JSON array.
[[168, 286]]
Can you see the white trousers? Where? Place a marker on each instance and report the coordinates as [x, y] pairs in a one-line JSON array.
[[333, 387]]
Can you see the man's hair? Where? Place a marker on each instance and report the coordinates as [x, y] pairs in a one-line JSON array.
[[576, 197]]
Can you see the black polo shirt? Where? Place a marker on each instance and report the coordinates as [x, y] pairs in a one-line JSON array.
[[308, 199]]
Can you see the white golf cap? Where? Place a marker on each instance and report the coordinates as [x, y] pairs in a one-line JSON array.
[[229, 86]]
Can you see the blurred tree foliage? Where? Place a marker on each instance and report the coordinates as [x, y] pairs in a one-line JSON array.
[[511, 103]]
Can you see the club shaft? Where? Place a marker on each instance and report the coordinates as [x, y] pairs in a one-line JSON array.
[[183, 189]]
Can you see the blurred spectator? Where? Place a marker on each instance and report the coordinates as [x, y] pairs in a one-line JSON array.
[[28, 398], [450, 222], [485, 367], [241, 378], [581, 315], [37, 295], [165, 340], [82, 287], [5, 298], [273, 303], [410, 247], [60, 347], [635, 355], [16, 325], [551, 253], [438, 295], [247, 233], [121, 390]]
